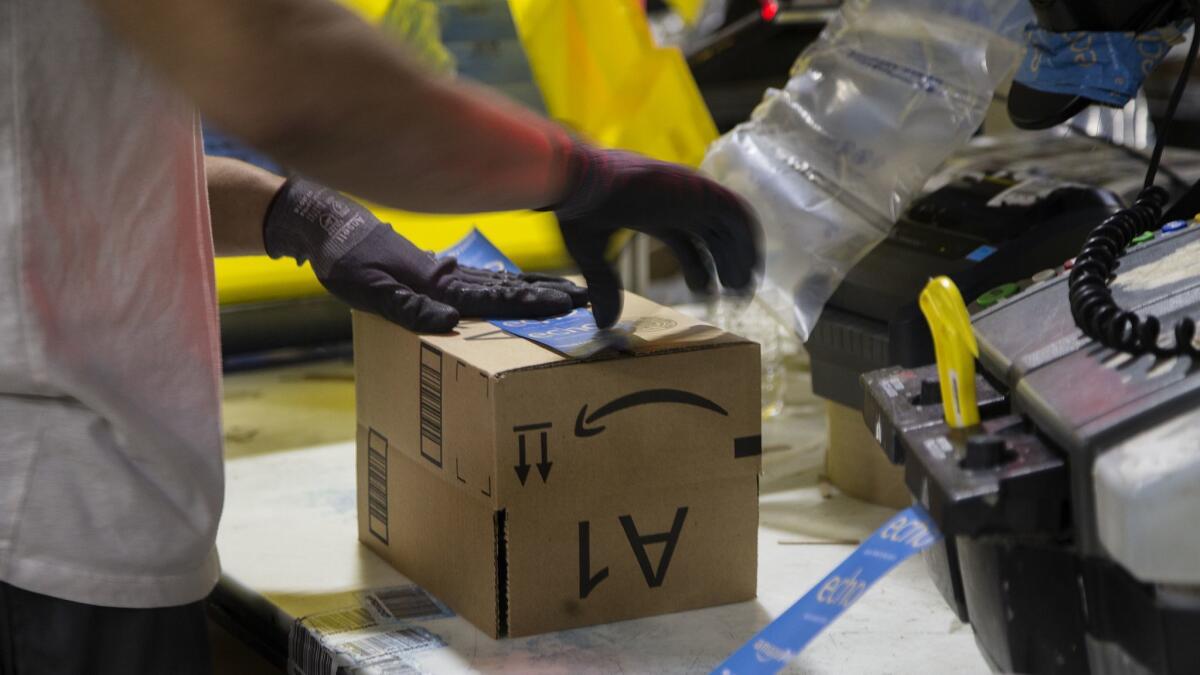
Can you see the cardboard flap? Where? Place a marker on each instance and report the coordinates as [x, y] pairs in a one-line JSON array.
[[430, 406], [645, 328]]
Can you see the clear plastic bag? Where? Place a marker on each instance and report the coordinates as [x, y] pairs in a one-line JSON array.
[[871, 110]]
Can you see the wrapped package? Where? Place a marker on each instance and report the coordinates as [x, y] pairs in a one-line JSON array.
[[871, 109]]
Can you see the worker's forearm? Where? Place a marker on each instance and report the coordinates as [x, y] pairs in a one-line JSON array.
[[238, 197], [318, 89], [443, 147]]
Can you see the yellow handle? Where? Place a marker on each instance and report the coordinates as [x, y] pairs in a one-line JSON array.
[[954, 343]]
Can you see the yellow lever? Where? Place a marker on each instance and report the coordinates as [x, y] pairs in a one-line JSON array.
[[954, 343]]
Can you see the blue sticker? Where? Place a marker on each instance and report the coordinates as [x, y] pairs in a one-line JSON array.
[[476, 250], [574, 334], [981, 253], [1175, 226], [908, 532]]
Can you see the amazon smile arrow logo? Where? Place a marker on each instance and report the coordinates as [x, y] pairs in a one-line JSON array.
[[583, 421]]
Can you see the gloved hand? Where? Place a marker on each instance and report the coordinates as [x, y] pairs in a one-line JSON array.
[[367, 265], [694, 216]]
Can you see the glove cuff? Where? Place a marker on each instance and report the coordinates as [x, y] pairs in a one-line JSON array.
[[310, 222], [588, 178]]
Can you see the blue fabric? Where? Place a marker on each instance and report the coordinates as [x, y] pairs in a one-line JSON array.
[[218, 144], [1108, 67]]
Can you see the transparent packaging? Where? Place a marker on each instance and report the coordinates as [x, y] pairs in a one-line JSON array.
[[871, 110], [752, 321]]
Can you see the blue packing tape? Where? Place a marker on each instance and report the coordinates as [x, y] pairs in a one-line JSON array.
[[1108, 67], [908, 532], [574, 334]]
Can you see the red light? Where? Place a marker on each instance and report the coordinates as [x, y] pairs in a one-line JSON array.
[[769, 9]]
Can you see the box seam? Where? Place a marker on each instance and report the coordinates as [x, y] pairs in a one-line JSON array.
[[661, 352]]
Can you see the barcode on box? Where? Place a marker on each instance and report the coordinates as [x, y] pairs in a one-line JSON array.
[[377, 491], [431, 404], [306, 654], [404, 603]]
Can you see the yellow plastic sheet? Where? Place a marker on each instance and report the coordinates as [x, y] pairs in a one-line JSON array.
[[371, 10], [602, 75]]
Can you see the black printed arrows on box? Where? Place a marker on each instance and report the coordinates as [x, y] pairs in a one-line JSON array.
[[522, 468]]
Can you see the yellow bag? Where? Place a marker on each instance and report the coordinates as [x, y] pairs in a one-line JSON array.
[[371, 10], [602, 75]]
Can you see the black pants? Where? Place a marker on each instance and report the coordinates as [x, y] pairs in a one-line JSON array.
[[40, 634]]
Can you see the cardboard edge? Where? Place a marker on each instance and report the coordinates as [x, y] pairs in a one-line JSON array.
[[500, 521], [739, 342], [500, 518]]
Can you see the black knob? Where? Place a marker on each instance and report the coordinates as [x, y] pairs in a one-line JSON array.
[[931, 392], [985, 452]]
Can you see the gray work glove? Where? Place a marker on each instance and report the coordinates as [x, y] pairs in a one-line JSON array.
[[702, 222], [363, 262]]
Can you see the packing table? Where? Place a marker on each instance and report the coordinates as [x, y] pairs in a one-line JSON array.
[[289, 549]]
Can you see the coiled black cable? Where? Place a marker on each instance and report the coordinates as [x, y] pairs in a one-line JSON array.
[[1095, 311]]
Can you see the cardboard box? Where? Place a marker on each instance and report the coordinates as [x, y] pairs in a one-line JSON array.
[[856, 464], [532, 492]]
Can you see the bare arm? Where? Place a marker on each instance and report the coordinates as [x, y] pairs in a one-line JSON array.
[[238, 197], [309, 83]]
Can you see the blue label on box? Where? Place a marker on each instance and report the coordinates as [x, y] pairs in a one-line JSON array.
[[906, 533], [475, 250], [574, 334]]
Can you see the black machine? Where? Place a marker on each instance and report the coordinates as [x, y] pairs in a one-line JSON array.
[[984, 229], [972, 230], [1069, 512]]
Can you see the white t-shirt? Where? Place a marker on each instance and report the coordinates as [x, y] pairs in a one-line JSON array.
[[110, 441]]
